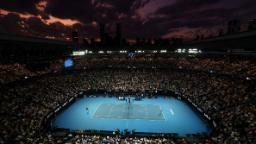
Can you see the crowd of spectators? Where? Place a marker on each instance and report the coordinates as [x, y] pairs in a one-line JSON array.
[[230, 101], [13, 72], [244, 68], [91, 139], [220, 65]]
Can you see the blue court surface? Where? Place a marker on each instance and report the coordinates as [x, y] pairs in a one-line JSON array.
[[155, 115]]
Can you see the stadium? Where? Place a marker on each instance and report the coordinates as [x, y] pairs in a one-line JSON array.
[[74, 86]]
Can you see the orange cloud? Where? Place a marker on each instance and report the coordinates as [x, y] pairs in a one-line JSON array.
[[4, 12], [50, 20], [25, 15], [66, 22], [21, 15]]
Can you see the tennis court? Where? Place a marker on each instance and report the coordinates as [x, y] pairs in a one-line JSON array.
[[129, 111], [149, 115]]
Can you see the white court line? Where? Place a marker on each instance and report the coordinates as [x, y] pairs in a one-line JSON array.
[[162, 112], [171, 110], [96, 109]]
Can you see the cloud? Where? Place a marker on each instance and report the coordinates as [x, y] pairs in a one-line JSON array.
[[25, 15], [49, 20], [41, 5], [23, 6], [66, 22], [139, 18], [189, 33], [82, 10], [151, 7], [104, 5]]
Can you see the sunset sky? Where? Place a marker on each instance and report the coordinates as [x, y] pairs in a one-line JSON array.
[[139, 18]]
